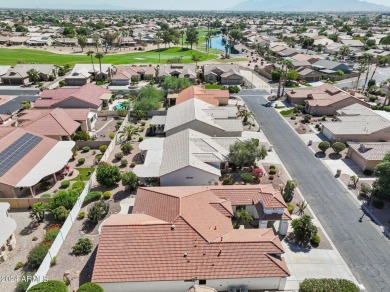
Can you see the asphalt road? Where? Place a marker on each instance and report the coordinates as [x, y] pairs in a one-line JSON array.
[[363, 246], [16, 90], [381, 74]]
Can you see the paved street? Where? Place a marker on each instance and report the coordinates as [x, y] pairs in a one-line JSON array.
[[381, 74], [363, 246], [16, 90]]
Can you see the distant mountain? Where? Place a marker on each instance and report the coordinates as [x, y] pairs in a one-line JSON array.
[[308, 5]]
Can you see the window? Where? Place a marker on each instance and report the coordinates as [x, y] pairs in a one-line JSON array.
[[202, 282]]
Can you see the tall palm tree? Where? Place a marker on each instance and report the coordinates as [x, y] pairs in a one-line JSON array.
[[380, 61], [100, 56], [344, 50], [182, 32], [90, 54], [128, 132], [96, 42], [287, 64], [361, 70], [388, 94], [368, 59]]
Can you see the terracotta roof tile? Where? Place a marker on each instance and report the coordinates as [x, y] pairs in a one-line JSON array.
[[211, 96]]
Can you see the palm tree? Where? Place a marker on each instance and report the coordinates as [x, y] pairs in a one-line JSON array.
[[243, 216], [368, 59], [380, 61], [344, 50], [96, 42], [90, 54], [301, 208], [128, 132], [245, 114], [361, 70], [33, 75], [100, 56], [182, 32], [387, 95], [287, 64]]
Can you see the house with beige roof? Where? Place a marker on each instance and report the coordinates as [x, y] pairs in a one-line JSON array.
[[203, 117], [126, 74], [216, 97], [357, 123], [26, 159], [7, 230], [323, 100], [224, 74], [179, 237], [368, 154], [82, 74], [188, 71], [18, 75]]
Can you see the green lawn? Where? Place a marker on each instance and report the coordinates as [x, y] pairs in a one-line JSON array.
[[286, 112], [11, 57], [212, 86], [83, 174]]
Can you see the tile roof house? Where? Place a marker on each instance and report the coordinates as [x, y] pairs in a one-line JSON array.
[[18, 75], [87, 96], [203, 117], [178, 70], [330, 67], [177, 237], [126, 74], [82, 73], [7, 230], [368, 154], [26, 158], [323, 100], [216, 97], [357, 123], [185, 158], [225, 74]]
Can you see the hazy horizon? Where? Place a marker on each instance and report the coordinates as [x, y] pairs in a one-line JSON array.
[[144, 5]]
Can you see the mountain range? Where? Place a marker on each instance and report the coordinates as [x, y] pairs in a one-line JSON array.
[[308, 6]]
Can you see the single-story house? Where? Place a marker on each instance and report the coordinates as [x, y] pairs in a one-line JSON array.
[[304, 57], [203, 117], [81, 73], [126, 74], [40, 41], [87, 96], [188, 71], [4, 70], [357, 123], [328, 67], [225, 74], [26, 159], [216, 97], [190, 231], [18, 40], [368, 154], [19, 74], [308, 75], [352, 43], [7, 232], [69, 42]]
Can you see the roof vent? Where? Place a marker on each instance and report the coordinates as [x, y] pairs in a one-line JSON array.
[[215, 228], [220, 252], [173, 226], [185, 255]]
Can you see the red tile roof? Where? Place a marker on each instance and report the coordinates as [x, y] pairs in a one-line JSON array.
[[176, 233], [211, 96]]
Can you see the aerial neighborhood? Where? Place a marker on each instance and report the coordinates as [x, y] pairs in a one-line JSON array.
[[236, 150]]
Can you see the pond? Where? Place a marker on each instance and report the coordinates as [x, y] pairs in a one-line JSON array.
[[218, 43]]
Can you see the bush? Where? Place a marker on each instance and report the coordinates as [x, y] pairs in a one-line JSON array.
[[81, 136], [60, 214], [315, 240], [132, 165], [290, 208], [36, 256], [293, 118], [103, 148], [64, 198], [81, 161], [378, 204], [108, 175], [99, 157], [86, 149], [143, 123], [111, 136], [271, 177], [53, 261], [81, 215], [227, 181], [246, 177], [307, 118], [323, 146], [92, 196], [78, 185], [98, 211], [25, 281], [90, 287], [65, 184], [46, 196], [126, 148], [124, 162], [51, 234], [140, 139], [368, 172], [18, 266], [272, 167], [272, 171], [107, 195], [327, 285], [119, 156], [82, 247], [130, 180], [49, 286], [338, 147]]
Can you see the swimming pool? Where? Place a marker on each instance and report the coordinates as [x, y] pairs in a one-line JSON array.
[[121, 106]]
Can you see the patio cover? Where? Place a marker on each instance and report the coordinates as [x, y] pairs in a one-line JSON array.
[[53, 161], [8, 225], [106, 96], [158, 120], [152, 163]]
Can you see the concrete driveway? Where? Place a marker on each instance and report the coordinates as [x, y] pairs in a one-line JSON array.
[[255, 80], [362, 244]]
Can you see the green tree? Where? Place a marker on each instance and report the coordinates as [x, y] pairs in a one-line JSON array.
[[195, 58], [192, 36], [338, 147], [245, 153], [66, 199], [381, 186], [304, 229], [83, 246], [128, 132], [82, 41], [344, 51], [245, 114], [235, 35], [60, 214], [38, 211], [323, 146], [98, 211], [292, 75], [130, 180], [99, 56], [288, 191], [90, 287], [49, 286], [243, 217], [91, 54], [149, 98], [108, 175], [174, 84], [33, 75]]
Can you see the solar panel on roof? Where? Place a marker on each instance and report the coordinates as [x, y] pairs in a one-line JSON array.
[[16, 151]]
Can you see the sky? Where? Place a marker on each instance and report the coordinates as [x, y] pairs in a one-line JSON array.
[[144, 4]]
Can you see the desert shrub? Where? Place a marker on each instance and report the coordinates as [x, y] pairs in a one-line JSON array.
[[327, 285], [49, 286], [140, 139], [272, 171], [81, 215], [60, 214], [293, 118], [119, 156], [272, 167], [81, 161], [124, 162], [126, 148], [64, 198], [108, 175], [65, 184], [52, 233], [107, 195], [98, 211], [46, 196], [78, 185], [90, 287], [92, 196], [36, 256], [246, 177], [103, 148], [86, 148], [227, 181], [25, 281], [82, 247], [378, 204], [18, 266], [271, 177], [290, 208], [132, 165], [315, 240], [143, 123], [53, 261], [111, 135]]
